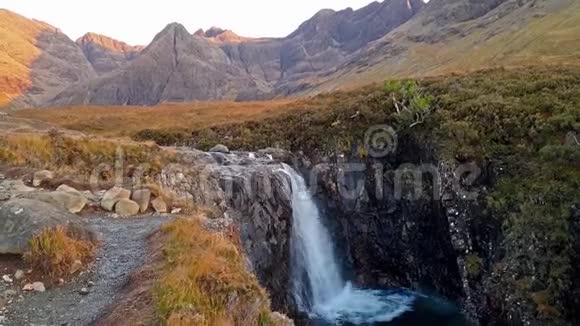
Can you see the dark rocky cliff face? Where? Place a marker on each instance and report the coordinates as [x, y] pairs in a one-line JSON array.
[[405, 220], [180, 67], [438, 240], [387, 236]]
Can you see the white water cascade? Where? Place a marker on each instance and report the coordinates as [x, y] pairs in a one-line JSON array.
[[318, 287]]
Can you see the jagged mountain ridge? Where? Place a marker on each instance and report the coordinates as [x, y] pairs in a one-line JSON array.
[[220, 35], [176, 66], [332, 50], [202, 68], [107, 54]]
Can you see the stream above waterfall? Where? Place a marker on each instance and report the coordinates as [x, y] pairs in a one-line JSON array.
[[321, 292]]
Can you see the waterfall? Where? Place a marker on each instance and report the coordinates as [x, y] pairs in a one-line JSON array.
[[318, 287], [317, 277]]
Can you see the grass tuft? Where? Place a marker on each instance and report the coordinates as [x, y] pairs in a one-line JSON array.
[[54, 252]]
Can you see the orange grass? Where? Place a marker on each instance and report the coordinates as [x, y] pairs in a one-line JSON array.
[[205, 281], [54, 252]]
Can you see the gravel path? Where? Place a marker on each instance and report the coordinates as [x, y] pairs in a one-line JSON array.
[[123, 249]]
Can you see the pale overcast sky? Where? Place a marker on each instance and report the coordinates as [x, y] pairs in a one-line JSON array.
[[137, 21]]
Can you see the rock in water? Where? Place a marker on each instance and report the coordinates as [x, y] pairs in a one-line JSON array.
[[219, 149], [41, 176], [142, 197], [126, 207], [112, 196], [159, 205], [72, 202], [22, 219]]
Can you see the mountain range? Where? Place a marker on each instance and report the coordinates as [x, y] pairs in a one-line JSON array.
[[40, 66]]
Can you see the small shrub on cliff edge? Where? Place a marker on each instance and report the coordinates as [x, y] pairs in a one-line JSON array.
[[412, 103]]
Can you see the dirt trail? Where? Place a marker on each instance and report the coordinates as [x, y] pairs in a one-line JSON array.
[[124, 249]]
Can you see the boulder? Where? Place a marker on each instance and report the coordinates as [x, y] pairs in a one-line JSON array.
[[112, 196], [13, 188], [22, 219], [159, 205], [142, 197], [70, 201], [41, 176], [126, 207], [109, 204], [219, 149]]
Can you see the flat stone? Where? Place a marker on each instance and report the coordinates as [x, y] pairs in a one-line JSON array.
[[74, 202]]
